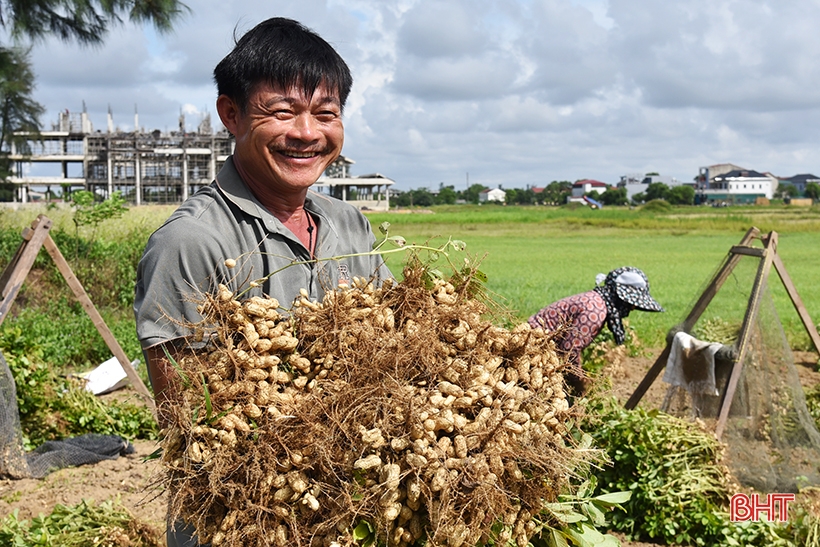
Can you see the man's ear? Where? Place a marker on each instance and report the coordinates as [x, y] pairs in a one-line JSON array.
[[228, 112]]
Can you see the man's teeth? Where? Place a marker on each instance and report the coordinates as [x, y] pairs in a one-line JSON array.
[[300, 154]]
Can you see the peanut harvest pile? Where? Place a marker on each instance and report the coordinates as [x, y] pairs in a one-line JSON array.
[[402, 408]]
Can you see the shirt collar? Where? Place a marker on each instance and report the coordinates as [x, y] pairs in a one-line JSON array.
[[235, 189]]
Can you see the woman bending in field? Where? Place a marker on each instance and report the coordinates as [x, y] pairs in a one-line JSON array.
[[576, 320]]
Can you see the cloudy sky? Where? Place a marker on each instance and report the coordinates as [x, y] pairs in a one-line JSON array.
[[514, 93]]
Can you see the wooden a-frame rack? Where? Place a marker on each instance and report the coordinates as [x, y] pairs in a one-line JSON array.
[[768, 256], [34, 238]]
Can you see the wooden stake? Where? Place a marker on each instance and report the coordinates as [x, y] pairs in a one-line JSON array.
[[746, 331], [17, 271]]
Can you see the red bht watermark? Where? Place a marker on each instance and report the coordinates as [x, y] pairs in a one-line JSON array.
[[744, 507]]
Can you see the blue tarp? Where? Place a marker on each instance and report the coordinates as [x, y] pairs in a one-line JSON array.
[[593, 202]]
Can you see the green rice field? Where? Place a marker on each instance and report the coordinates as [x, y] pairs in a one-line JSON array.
[[535, 255]]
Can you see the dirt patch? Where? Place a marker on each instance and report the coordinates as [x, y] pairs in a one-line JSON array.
[[626, 374], [806, 363], [128, 478]]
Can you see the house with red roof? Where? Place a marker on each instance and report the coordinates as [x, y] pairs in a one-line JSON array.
[[581, 187]]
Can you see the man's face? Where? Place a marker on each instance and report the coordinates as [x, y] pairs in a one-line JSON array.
[[285, 141]]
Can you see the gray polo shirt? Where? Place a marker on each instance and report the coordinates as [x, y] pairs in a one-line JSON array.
[[186, 255]]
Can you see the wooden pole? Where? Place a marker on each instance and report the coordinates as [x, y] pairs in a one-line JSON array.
[[798, 303], [18, 269], [98, 321]]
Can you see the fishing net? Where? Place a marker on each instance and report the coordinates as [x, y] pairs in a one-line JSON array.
[[15, 463], [772, 441], [12, 458]]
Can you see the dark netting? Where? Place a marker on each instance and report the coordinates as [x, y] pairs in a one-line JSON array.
[[51, 455], [82, 450], [773, 444], [12, 457]]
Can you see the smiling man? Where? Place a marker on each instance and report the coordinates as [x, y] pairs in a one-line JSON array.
[[281, 94]]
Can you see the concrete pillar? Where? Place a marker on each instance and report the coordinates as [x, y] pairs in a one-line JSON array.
[[137, 173], [184, 175], [110, 172]]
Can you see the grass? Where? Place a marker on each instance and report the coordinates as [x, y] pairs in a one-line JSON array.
[[536, 255]]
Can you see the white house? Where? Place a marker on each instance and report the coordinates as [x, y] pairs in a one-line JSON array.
[[585, 186], [495, 194], [737, 186]]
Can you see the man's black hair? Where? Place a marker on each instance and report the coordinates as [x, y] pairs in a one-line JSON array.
[[281, 51]]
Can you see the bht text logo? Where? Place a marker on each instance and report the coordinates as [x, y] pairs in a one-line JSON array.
[[775, 507]]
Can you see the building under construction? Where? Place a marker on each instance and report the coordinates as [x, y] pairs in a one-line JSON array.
[[151, 167]]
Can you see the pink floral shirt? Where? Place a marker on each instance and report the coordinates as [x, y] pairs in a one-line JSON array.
[[577, 320]]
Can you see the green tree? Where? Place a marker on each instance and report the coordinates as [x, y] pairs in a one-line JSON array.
[[657, 190], [614, 196], [640, 197], [402, 200], [470, 195], [681, 195], [525, 197], [89, 211], [420, 197], [786, 190], [556, 192], [86, 21], [812, 190], [18, 111], [446, 196], [511, 197]]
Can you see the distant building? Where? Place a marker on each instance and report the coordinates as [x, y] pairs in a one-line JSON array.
[[708, 173], [638, 184], [581, 187], [151, 167], [800, 181], [144, 167], [495, 194], [368, 192], [734, 187]]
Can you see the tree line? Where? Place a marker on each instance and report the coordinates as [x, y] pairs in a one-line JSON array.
[[557, 192]]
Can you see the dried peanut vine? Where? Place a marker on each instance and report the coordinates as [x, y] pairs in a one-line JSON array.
[[401, 405]]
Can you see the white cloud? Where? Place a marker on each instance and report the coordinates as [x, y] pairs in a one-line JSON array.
[[513, 92]]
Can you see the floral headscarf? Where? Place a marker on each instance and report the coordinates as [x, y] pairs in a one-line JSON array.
[[625, 289]]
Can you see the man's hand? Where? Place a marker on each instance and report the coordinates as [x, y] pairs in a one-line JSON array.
[[163, 379]]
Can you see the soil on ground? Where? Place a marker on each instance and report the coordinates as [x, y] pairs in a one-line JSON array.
[[130, 478]]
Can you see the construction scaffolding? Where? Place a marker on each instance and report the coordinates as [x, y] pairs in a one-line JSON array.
[[150, 167], [155, 167]]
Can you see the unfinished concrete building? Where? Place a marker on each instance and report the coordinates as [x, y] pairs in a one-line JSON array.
[[151, 167]]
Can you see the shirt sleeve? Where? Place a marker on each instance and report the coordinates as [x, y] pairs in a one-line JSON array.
[[176, 267]]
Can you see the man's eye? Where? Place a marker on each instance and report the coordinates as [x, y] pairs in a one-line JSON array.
[[327, 116]]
